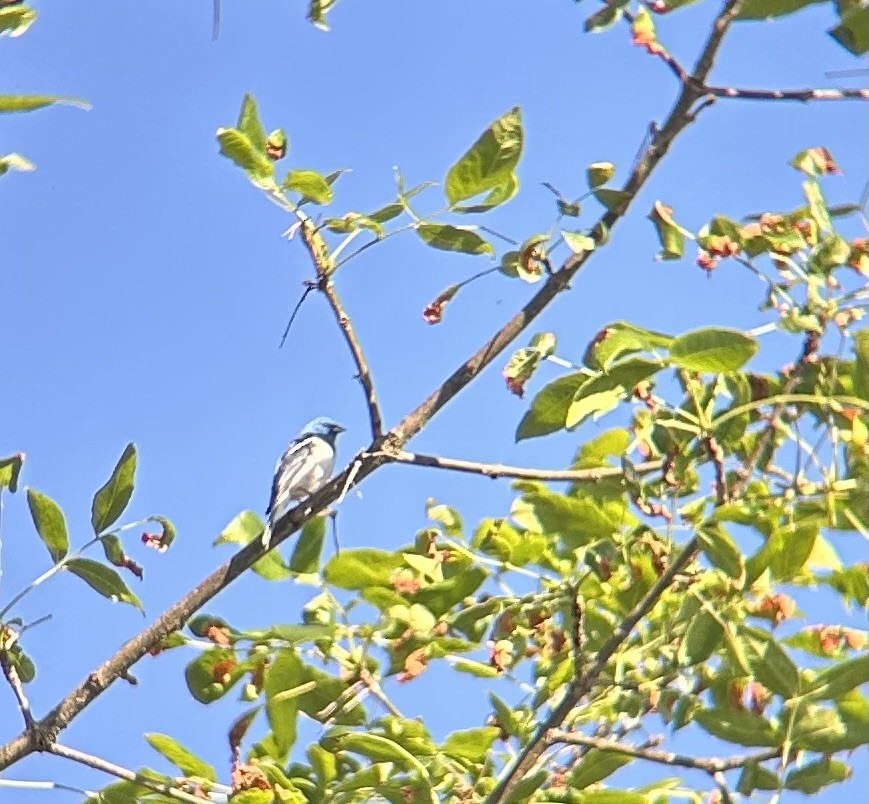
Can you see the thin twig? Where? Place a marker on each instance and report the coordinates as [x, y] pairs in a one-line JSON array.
[[709, 765], [314, 244], [800, 95], [122, 773], [309, 286], [496, 470], [14, 681]]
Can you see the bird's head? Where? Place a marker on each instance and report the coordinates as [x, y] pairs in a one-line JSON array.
[[323, 427]]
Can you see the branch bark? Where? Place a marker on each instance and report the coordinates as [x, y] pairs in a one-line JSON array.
[[319, 257], [496, 470], [709, 765]]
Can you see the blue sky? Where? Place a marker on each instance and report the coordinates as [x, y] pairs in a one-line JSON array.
[[145, 283]]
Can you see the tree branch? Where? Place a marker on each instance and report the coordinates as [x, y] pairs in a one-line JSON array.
[[496, 470], [801, 95], [319, 256], [709, 765], [17, 689], [122, 773]]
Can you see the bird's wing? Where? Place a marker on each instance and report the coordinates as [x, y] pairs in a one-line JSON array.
[[295, 456], [303, 468]]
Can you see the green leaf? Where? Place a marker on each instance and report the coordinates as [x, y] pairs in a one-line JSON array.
[[471, 744], [15, 20], [10, 469], [816, 729], [445, 237], [580, 519], [769, 663], [358, 569], [183, 759], [605, 17], [612, 200], [441, 596], [671, 235], [816, 775], [15, 162], [29, 103], [791, 548], [285, 673], [722, 552], [578, 242], [523, 790], [306, 554], [739, 727], [713, 350], [499, 195], [243, 529], [112, 499], [310, 185], [249, 124], [703, 637], [50, 524], [548, 411], [489, 162], [237, 147], [599, 173], [839, 679], [767, 9], [212, 674], [596, 766], [104, 580], [852, 32], [619, 339], [473, 668], [602, 393]]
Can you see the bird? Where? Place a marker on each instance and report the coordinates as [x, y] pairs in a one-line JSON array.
[[304, 467]]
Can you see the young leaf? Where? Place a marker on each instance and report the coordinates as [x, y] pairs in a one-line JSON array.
[[183, 759], [29, 103], [306, 554], [499, 195], [50, 524], [358, 569], [599, 173], [111, 500], [489, 162], [249, 123], [548, 411], [671, 235], [15, 20], [17, 162], [471, 744], [577, 242], [236, 146], [454, 238], [104, 580], [285, 673], [713, 350], [310, 185], [10, 469]]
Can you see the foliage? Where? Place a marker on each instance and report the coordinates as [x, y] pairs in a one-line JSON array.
[[655, 591]]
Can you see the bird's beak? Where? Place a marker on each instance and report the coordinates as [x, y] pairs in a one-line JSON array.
[[338, 428]]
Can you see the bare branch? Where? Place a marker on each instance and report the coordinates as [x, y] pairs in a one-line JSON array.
[[122, 773], [800, 95], [709, 765], [496, 470], [316, 250], [17, 689]]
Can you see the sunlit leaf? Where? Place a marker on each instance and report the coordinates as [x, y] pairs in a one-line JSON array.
[[49, 522], [104, 580], [112, 499], [489, 162]]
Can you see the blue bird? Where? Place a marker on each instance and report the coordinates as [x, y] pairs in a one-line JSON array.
[[305, 466]]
